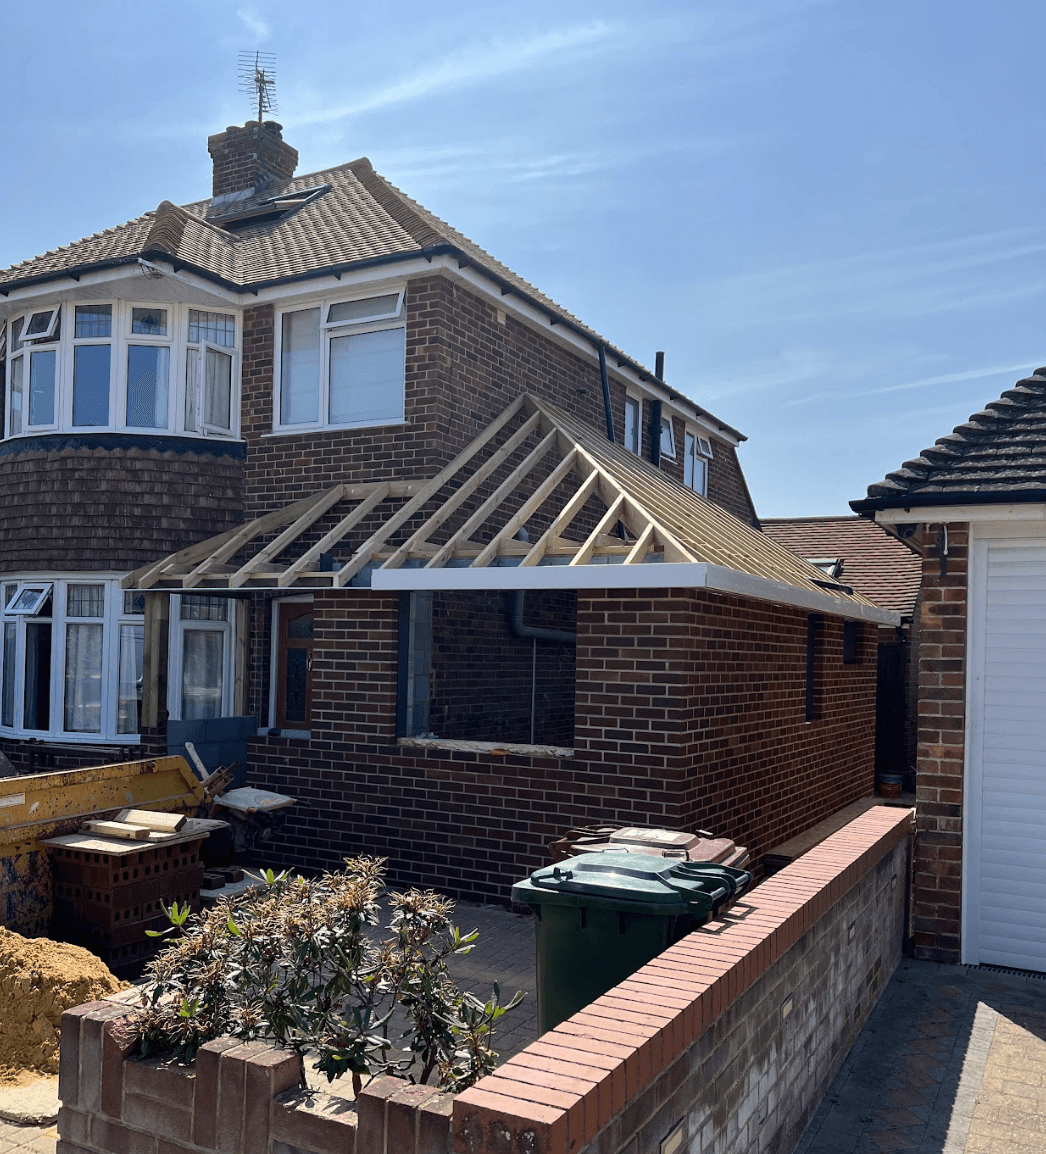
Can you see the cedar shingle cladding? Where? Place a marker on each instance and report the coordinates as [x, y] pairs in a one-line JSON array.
[[77, 503], [998, 453]]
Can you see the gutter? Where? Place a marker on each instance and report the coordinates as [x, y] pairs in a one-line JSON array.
[[337, 271], [868, 506]]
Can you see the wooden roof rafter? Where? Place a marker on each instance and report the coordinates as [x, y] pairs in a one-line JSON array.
[[534, 467]]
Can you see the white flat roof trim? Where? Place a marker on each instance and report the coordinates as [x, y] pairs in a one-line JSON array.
[[670, 575]]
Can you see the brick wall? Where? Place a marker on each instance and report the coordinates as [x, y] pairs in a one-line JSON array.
[[482, 672], [68, 509], [690, 711], [250, 156], [735, 1033], [936, 905], [464, 366]]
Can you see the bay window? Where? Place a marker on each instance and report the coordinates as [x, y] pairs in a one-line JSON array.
[[118, 365], [61, 639], [342, 364]]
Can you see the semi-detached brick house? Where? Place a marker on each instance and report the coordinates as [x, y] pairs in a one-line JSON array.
[[303, 452], [975, 505]]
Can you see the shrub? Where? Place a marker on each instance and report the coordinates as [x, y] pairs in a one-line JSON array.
[[297, 963]]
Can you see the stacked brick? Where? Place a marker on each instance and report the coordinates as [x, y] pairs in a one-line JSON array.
[[937, 896]]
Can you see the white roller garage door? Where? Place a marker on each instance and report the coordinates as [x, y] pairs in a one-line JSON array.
[[1005, 840]]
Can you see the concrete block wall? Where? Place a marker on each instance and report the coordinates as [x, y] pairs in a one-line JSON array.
[[733, 1034]]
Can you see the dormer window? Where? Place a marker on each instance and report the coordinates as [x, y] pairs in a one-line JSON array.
[[118, 365], [668, 438], [342, 364]]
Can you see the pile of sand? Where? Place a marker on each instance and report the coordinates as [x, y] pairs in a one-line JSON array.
[[38, 980]]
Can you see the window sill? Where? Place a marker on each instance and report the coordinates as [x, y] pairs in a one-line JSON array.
[[494, 748], [306, 430], [291, 734], [69, 739]]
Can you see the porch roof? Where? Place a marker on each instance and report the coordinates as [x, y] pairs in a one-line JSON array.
[[538, 500]]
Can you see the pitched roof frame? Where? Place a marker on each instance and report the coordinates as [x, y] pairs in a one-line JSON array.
[[593, 503]]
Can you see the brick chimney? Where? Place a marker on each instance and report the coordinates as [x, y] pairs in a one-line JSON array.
[[250, 157]]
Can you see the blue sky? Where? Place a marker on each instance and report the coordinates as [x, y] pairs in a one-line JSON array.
[[828, 214]]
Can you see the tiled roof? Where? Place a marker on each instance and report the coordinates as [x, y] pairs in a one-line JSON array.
[[998, 454], [356, 217], [874, 562]]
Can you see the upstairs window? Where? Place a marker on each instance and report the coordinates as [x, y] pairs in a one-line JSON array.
[[342, 364], [697, 452], [633, 419], [118, 365], [668, 438]]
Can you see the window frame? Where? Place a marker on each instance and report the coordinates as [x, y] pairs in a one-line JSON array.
[[637, 448], [178, 628], [113, 618], [694, 446], [276, 666], [667, 424], [328, 331], [47, 334], [120, 341]]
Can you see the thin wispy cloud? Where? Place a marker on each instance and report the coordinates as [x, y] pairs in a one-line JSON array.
[[924, 382], [254, 23], [466, 67]]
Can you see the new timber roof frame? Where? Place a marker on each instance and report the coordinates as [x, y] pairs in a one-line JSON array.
[[461, 529]]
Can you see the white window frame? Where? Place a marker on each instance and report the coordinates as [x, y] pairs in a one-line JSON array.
[[633, 399], [667, 425], [33, 608], [330, 330], [696, 449], [46, 334], [111, 620], [120, 341], [177, 640]]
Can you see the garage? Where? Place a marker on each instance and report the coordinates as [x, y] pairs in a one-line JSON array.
[[1004, 920]]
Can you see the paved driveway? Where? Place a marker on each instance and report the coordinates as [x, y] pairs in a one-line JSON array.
[[951, 1061]]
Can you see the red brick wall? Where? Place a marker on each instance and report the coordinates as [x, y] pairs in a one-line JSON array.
[[249, 156], [941, 750], [464, 367], [689, 711]]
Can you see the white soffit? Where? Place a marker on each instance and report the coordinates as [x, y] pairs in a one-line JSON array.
[[665, 575]]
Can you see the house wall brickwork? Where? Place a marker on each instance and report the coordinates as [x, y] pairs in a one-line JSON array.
[[464, 366], [250, 156], [690, 710], [937, 896]]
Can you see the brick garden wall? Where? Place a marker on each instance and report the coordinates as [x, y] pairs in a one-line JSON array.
[[690, 711], [936, 904], [734, 1033]]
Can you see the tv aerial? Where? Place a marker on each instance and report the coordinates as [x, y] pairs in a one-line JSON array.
[[257, 71]]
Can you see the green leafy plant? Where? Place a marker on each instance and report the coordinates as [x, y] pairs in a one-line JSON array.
[[300, 963]]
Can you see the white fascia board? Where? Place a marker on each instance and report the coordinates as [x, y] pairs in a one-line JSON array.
[[666, 575], [942, 514], [584, 347]]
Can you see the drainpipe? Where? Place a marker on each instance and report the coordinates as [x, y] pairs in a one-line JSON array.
[[655, 432], [607, 408]]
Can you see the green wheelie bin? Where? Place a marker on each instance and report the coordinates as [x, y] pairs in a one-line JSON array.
[[600, 916]]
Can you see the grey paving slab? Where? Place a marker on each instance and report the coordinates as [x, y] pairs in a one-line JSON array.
[[938, 1068]]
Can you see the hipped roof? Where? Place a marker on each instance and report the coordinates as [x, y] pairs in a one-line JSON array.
[[351, 218], [593, 514]]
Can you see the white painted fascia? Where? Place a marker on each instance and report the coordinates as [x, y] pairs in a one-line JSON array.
[[942, 514], [667, 575]]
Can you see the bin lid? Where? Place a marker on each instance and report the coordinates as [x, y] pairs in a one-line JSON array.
[[631, 879]]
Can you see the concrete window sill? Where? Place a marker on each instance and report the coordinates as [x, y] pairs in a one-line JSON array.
[[494, 748]]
